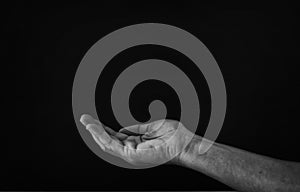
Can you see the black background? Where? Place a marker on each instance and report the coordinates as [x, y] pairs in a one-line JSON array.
[[255, 47]]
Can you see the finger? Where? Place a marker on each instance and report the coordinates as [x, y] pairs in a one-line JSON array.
[[135, 139], [162, 133], [129, 149], [129, 144], [116, 148], [150, 144], [86, 119], [143, 128], [121, 136], [110, 143], [109, 130], [98, 142], [129, 133], [100, 133], [134, 130], [154, 128], [163, 129]]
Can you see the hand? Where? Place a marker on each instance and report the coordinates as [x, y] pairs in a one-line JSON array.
[[154, 143]]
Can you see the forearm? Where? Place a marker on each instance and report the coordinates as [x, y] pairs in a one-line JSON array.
[[242, 170]]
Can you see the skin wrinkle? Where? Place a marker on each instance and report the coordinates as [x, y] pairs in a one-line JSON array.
[[161, 141]]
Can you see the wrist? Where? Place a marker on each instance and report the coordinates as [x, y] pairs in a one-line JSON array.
[[190, 152]]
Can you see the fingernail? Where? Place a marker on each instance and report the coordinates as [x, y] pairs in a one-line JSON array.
[[86, 119]]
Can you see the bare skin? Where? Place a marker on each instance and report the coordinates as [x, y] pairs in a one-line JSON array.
[[169, 141]]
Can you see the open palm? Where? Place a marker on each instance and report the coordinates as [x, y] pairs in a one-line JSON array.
[[153, 143]]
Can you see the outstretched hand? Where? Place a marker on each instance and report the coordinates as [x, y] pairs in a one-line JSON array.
[[153, 143]]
